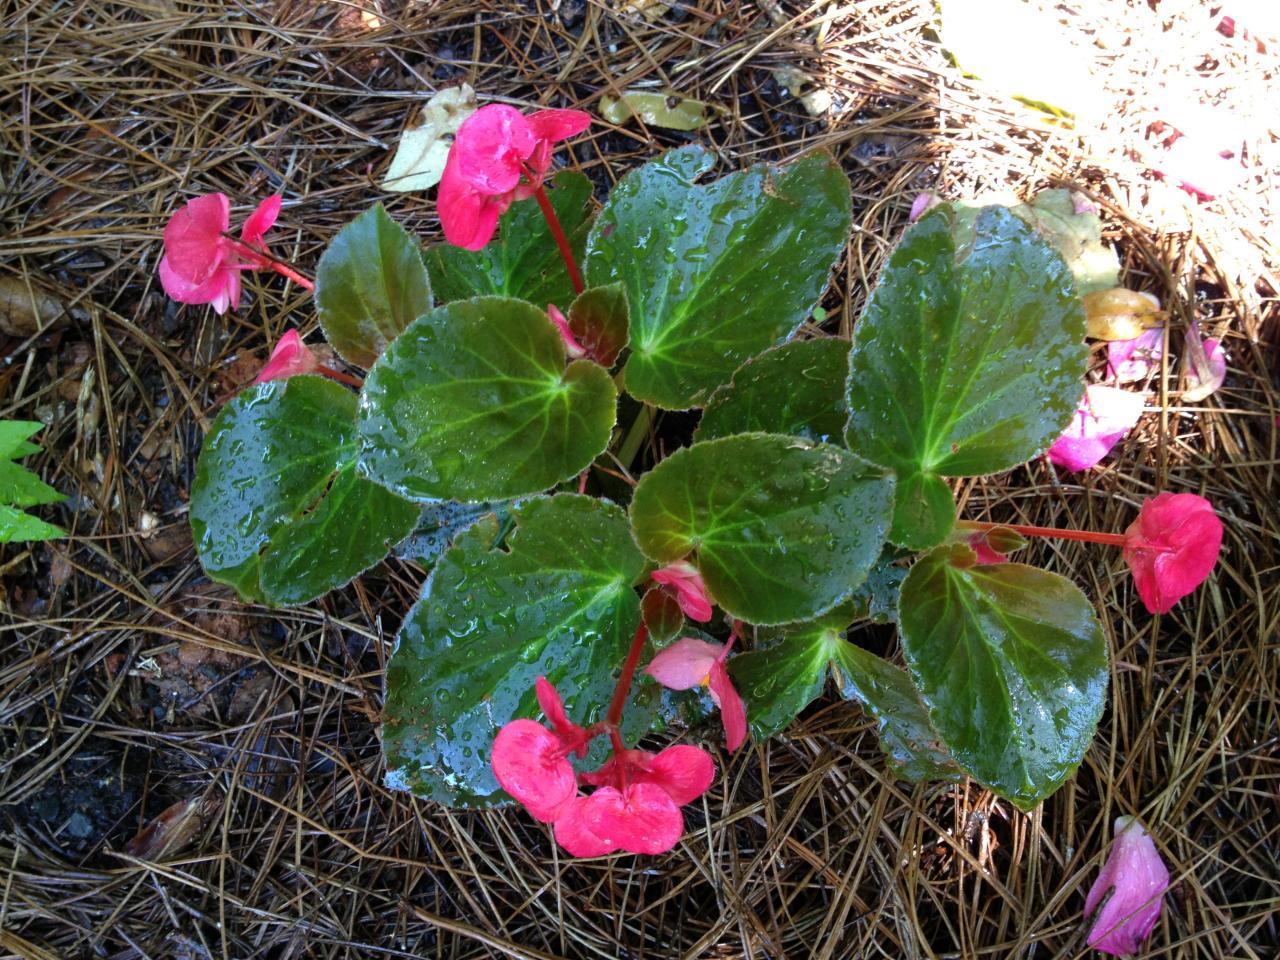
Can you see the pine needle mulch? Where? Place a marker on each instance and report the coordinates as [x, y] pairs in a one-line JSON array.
[[131, 687]]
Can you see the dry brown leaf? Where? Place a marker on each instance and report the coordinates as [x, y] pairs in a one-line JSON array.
[[26, 310]]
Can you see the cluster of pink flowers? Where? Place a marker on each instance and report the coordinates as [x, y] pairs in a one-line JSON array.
[[499, 156], [201, 264]]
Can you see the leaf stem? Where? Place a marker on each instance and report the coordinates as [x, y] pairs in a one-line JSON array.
[[562, 241], [1085, 536], [614, 716], [635, 436], [341, 377]]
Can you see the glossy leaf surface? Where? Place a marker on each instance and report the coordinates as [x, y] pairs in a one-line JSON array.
[[555, 600], [370, 285], [522, 261], [1011, 661], [797, 389], [277, 509], [781, 530], [714, 274], [439, 524], [475, 402], [967, 361]]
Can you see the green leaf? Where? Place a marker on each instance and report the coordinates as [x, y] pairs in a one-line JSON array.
[[796, 389], [784, 674], [909, 743], [277, 509], [557, 601], [714, 274], [876, 598], [598, 320], [370, 285], [662, 615], [440, 523], [780, 529], [1076, 236], [19, 527], [474, 402], [522, 261], [967, 361], [1012, 664], [20, 487]]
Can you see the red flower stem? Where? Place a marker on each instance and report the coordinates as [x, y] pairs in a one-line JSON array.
[[1087, 536], [561, 240], [614, 716], [341, 377], [289, 273]]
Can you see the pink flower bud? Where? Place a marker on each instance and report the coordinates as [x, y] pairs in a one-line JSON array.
[[1172, 547], [690, 591], [289, 358]]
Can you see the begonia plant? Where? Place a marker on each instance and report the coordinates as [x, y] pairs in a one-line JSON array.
[[584, 595]]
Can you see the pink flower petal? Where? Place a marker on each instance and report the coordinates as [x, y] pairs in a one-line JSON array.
[[1172, 548], [289, 358], [685, 664], [194, 245], [571, 345], [490, 148], [983, 549], [1103, 418], [1130, 360], [574, 834], [261, 220], [527, 761], [571, 735], [468, 217], [556, 125], [691, 592], [921, 204], [683, 771], [1139, 878], [733, 713], [641, 819], [1197, 390]]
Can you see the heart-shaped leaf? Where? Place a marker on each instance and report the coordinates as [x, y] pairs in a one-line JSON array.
[[1012, 664], [598, 320], [967, 361], [780, 529], [475, 402], [555, 600], [796, 389], [277, 509], [370, 285], [714, 274], [522, 261]]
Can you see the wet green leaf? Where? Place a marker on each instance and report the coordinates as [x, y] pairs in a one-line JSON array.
[[522, 261], [277, 509], [714, 274], [797, 389], [19, 487], [780, 529], [967, 361], [662, 615], [475, 402], [555, 600], [440, 522], [885, 691], [370, 285], [1012, 664], [598, 320], [783, 675], [876, 598]]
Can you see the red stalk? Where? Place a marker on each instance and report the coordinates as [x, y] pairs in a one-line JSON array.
[[614, 716], [289, 273], [1086, 536], [562, 241], [341, 377]]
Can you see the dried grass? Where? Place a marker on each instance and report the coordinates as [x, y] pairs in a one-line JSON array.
[[806, 847]]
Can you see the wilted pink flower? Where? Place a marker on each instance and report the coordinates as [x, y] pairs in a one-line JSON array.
[[571, 345], [1130, 360], [200, 263], [690, 662], [690, 592], [494, 149], [1198, 389], [1104, 416], [1139, 879], [1172, 547], [289, 358]]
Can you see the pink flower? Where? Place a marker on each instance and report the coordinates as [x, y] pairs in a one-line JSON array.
[[690, 662], [494, 148], [531, 762], [1130, 360], [571, 345], [200, 263], [1216, 362], [289, 358], [923, 203], [1138, 878], [1104, 416], [984, 550], [1172, 547], [683, 771], [690, 592]]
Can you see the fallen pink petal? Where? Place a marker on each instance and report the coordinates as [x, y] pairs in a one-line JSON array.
[[1172, 548], [1216, 361], [1132, 360], [1104, 417], [1137, 879]]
